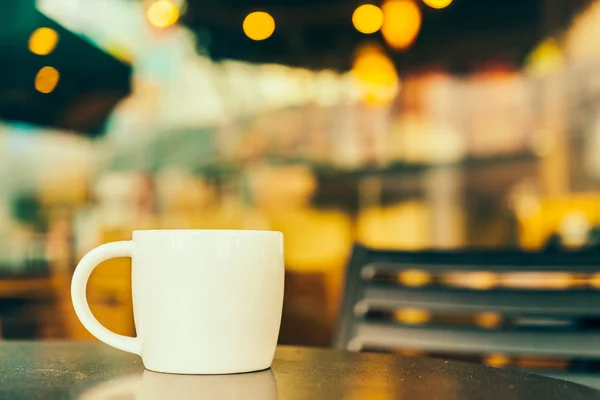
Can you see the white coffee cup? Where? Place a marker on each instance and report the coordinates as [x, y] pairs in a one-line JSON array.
[[204, 301]]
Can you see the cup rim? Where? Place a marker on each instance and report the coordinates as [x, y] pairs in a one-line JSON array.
[[197, 231]]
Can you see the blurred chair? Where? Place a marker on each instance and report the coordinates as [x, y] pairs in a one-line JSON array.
[[28, 299], [534, 311]]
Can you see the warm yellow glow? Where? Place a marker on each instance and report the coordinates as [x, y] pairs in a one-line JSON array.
[[259, 25], [489, 320], [376, 76], [367, 18], [162, 13], [546, 58], [478, 280], [410, 352], [595, 281], [401, 23], [497, 360], [574, 229], [540, 280], [543, 143], [439, 4], [482, 280], [414, 278], [46, 79], [552, 215], [43, 41], [411, 316]]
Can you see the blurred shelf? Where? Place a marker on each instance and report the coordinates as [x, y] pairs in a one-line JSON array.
[[26, 288], [410, 168], [24, 269], [202, 163]]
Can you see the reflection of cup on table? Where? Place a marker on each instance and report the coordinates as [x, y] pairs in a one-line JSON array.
[[157, 386], [204, 301]]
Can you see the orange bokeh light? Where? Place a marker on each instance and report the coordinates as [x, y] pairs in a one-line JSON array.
[[43, 41], [438, 4], [367, 18], [401, 24], [46, 79], [375, 75], [259, 25], [162, 13]]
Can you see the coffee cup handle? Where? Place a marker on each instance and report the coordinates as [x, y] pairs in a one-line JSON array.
[[78, 295]]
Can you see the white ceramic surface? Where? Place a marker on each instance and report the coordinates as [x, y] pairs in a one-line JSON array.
[[205, 301]]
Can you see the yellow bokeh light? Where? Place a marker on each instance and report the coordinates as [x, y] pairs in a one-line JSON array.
[[367, 18], [481, 280], [438, 4], [489, 320], [259, 25], [376, 76], [43, 41], [411, 316], [595, 281], [497, 360], [401, 23], [162, 13], [46, 79], [546, 58], [415, 278]]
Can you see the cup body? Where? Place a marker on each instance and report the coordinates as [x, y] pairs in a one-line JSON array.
[[207, 301]]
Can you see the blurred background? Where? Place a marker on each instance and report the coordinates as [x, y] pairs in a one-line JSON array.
[[398, 124]]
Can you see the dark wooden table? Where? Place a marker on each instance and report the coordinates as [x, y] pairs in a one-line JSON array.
[[92, 371]]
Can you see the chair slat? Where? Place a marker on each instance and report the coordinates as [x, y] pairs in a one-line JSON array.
[[557, 344], [375, 282], [440, 267], [559, 303]]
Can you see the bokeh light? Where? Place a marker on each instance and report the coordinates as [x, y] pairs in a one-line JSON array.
[[438, 4], [367, 18], [481, 280], [415, 278], [546, 58], [162, 13], [46, 79], [43, 41], [574, 229], [401, 23], [376, 76], [489, 320], [497, 360], [477, 280], [259, 25], [412, 316], [594, 281]]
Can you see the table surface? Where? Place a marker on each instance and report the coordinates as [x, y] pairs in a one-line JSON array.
[[93, 371]]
